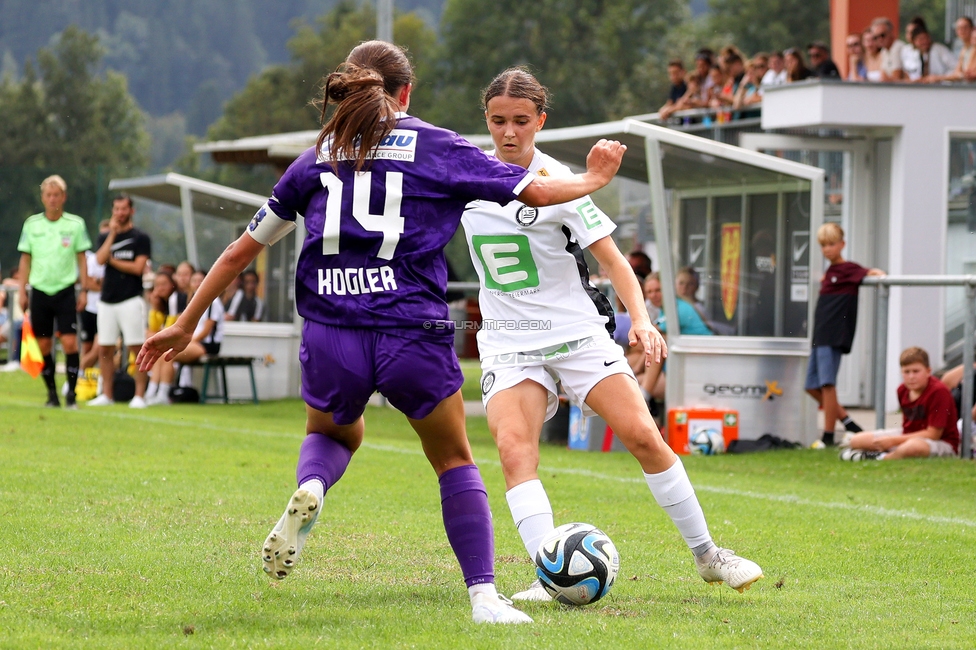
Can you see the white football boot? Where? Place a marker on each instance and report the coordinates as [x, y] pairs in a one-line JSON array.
[[283, 546], [486, 608], [723, 565], [536, 592]]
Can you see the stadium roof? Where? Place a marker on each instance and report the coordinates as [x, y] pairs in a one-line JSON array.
[[570, 145], [210, 198]]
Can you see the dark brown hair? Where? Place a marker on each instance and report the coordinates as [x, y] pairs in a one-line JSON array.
[[517, 82], [364, 89]]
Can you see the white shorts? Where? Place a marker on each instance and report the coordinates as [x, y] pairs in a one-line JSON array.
[[126, 319], [579, 365], [937, 448]]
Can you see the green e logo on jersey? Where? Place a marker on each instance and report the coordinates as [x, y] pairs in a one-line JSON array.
[[588, 212], [507, 260]]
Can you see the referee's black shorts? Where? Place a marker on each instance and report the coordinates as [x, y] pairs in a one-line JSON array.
[[50, 314]]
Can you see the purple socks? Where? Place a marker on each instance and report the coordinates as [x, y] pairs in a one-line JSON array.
[[467, 520], [323, 458]]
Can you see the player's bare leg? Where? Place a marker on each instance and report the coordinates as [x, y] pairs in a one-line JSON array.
[[515, 418], [617, 400]]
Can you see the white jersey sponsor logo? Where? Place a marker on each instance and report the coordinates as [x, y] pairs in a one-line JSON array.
[[400, 144]]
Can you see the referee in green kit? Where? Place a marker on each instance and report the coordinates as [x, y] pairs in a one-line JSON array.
[[52, 258]]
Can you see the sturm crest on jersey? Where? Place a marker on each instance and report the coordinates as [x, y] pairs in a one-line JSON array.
[[526, 216], [577, 564]]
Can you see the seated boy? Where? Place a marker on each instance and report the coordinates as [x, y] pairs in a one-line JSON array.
[[928, 418]]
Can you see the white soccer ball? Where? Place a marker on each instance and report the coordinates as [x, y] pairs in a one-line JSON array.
[[706, 442], [577, 564]]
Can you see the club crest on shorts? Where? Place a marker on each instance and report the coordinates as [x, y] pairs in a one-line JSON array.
[[526, 216], [487, 382]]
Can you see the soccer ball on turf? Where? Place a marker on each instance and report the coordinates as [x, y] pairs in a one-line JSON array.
[[577, 564], [706, 442]]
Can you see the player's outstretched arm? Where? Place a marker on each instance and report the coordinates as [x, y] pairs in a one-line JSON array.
[[174, 339], [602, 164]]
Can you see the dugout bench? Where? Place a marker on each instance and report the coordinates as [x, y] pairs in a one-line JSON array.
[[218, 365]]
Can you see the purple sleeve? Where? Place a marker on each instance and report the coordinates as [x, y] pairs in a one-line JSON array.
[[471, 174], [295, 188]]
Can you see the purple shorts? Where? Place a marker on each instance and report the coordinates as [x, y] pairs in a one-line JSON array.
[[342, 367]]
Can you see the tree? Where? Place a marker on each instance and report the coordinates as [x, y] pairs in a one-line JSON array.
[[765, 25], [281, 99], [63, 118], [585, 51]]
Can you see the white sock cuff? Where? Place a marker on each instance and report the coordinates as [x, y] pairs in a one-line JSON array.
[[528, 499], [315, 486], [671, 486]]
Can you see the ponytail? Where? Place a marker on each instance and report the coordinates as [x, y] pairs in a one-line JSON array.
[[364, 90]]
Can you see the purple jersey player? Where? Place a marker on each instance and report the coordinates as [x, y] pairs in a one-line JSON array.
[[382, 193]]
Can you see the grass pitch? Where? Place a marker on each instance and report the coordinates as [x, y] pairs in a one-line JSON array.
[[142, 529]]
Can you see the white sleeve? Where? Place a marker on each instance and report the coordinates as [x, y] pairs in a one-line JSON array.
[[267, 228], [586, 221]]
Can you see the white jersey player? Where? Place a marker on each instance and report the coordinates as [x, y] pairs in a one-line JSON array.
[[545, 322]]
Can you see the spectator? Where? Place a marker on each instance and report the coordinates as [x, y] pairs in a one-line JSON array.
[[700, 83], [653, 298], [748, 92], [965, 69], [718, 79], [856, 65], [873, 56], [52, 258], [834, 322], [679, 88], [246, 305], [161, 375], [911, 59], [89, 315], [891, 48], [690, 319], [640, 262], [937, 62], [15, 319], [177, 301], [964, 33], [776, 74], [734, 70], [821, 64], [796, 69], [929, 416], [125, 251], [208, 334]]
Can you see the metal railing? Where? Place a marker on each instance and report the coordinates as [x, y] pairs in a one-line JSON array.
[[884, 284]]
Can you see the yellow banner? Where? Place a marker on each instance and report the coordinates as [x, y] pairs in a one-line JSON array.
[[731, 251]]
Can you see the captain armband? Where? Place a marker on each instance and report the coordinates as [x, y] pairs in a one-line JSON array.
[[267, 228]]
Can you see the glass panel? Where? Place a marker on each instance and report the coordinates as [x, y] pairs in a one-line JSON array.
[[961, 234], [745, 231]]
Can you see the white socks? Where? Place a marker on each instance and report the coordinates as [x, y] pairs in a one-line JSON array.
[[532, 513], [151, 389], [672, 490], [316, 487], [483, 588]]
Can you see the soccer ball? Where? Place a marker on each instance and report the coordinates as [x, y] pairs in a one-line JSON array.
[[706, 442], [577, 564]]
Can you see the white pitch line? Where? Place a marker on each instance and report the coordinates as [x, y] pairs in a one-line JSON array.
[[777, 498]]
